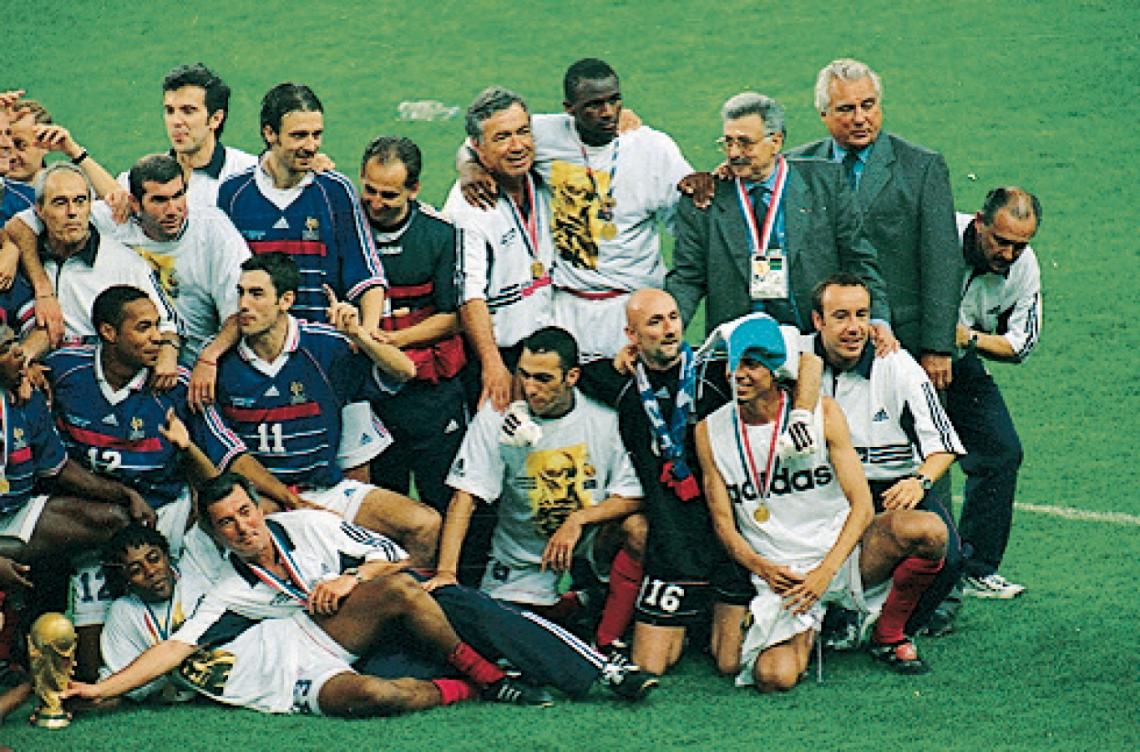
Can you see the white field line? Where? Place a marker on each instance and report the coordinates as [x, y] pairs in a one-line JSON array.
[[1068, 513]]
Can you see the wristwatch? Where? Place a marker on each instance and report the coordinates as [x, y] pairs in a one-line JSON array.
[[925, 482], [355, 572]]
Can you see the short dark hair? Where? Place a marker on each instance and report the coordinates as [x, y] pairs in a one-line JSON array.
[[491, 100], [217, 488], [283, 99], [33, 107], [1017, 201], [839, 279], [217, 92], [280, 267], [557, 340], [109, 304], [159, 168], [586, 69], [388, 149], [134, 535]]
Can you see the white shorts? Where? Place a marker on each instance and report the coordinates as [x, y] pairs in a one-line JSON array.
[[343, 499], [21, 523], [773, 624], [362, 436], [597, 325], [276, 666], [90, 598]]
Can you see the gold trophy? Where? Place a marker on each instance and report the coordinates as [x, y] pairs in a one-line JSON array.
[[51, 655]]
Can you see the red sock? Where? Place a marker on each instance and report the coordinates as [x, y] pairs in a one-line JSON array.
[[478, 668], [911, 579], [625, 579], [452, 691]]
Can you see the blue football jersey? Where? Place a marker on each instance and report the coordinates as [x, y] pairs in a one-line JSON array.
[[31, 449]]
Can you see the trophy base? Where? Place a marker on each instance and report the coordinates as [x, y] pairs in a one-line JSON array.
[[41, 719]]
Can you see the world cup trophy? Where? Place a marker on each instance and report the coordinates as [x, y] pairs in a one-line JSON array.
[[51, 656]]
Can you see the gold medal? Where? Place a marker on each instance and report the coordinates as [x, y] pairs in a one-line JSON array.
[[5, 486], [609, 231], [761, 514], [537, 269]]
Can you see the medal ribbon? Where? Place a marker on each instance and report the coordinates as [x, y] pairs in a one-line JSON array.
[[529, 227], [759, 237], [159, 631], [744, 446], [295, 586], [605, 205]]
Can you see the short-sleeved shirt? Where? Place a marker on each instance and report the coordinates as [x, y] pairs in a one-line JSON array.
[[116, 433], [318, 222], [31, 449], [15, 197], [644, 166]]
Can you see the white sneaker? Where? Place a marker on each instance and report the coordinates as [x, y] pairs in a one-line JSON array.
[[991, 586]]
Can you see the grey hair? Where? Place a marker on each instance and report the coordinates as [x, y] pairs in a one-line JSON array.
[[491, 100], [844, 69], [53, 168], [750, 103]]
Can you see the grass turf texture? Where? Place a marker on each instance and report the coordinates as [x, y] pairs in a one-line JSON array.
[[1033, 93]]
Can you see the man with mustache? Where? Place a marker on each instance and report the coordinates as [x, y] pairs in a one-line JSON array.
[[773, 231]]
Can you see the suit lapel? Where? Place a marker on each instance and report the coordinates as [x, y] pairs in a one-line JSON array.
[[730, 225], [877, 172], [795, 220]]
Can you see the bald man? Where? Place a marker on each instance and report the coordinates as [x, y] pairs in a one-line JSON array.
[[683, 569]]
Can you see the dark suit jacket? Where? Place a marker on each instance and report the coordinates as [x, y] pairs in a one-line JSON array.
[[821, 227], [908, 215]]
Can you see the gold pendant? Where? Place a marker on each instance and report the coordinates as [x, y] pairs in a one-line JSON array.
[[537, 269], [609, 231], [761, 514]]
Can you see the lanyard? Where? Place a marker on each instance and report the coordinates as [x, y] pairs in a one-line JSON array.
[[759, 236], [294, 586], [744, 446]]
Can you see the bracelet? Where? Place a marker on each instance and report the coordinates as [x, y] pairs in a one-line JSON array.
[[78, 159], [45, 295], [213, 363]]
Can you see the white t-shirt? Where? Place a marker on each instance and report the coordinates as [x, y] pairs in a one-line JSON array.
[[579, 462], [203, 188], [806, 507], [644, 166], [495, 263]]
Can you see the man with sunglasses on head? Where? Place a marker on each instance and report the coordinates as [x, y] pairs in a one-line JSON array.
[[999, 319]]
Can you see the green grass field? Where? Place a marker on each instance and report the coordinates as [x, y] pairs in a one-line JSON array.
[[1042, 94]]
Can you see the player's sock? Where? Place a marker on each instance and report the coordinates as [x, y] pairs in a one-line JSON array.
[[910, 580], [452, 691], [478, 668], [625, 579]]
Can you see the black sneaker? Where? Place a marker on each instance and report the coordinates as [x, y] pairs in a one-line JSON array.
[[941, 623], [840, 631], [626, 680], [514, 692], [616, 652], [902, 657]]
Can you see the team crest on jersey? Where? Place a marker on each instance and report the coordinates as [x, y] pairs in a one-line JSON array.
[[560, 479], [207, 670], [312, 229], [18, 440], [297, 393], [136, 429]]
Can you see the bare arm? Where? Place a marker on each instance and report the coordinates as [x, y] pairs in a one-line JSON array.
[[476, 318], [203, 379], [151, 664], [372, 308], [427, 332], [455, 525], [907, 493], [560, 548], [993, 345]]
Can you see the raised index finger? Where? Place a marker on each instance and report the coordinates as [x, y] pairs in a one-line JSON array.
[[330, 294]]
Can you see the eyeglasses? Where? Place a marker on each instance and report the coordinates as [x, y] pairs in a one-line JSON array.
[[745, 144], [1018, 247]]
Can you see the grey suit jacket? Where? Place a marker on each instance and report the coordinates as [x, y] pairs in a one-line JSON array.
[[908, 215], [821, 227]]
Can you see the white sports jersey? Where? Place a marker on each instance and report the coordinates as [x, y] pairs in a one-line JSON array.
[[198, 270], [318, 543], [204, 181], [892, 410], [806, 506], [578, 462], [1009, 305], [496, 264], [644, 166]]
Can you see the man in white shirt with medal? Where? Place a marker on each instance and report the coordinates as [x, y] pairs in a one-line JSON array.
[[803, 525]]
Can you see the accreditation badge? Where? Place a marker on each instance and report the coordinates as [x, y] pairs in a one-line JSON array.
[[768, 279]]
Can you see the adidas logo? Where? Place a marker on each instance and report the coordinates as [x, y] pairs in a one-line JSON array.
[[281, 224], [272, 392], [880, 416], [451, 427], [110, 420]]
